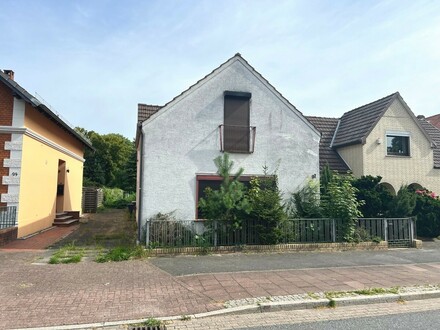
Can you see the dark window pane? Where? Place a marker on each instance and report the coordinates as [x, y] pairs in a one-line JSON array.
[[236, 124], [397, 145]]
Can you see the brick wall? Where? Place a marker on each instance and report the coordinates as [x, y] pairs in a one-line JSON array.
[[6, 105], [7, 235], [6, 109]]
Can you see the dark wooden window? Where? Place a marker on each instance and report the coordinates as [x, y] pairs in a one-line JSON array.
[[236, 122]]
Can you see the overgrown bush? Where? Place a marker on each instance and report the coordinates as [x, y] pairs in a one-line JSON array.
[[427, 212], [305, 203], [376, 197], [340, 202], [116, 198], [267, 209], [403, 203], [230, 204]]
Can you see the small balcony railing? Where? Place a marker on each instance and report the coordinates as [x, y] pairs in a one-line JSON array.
[[8, 217], [237, 139]]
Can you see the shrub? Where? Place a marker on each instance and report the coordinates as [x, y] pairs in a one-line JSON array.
[[229, 204], [305, 202], [340, 202], [267, 209], [427, 212], [377, 198], [403, 203]]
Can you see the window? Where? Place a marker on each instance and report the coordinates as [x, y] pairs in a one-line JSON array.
[[236, 128], [397, 145], [213, 182]]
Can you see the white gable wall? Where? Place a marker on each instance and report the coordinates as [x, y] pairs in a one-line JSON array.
[[182, 140]]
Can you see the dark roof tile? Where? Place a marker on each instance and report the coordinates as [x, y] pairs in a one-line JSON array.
[[356, 124], [145, 111], [328, 155], [434, 134]]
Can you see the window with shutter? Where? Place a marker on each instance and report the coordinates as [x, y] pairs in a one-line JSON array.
[[236, 130]]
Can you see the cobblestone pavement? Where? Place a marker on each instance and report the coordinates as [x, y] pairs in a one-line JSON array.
[[304, 316], [35, 294]]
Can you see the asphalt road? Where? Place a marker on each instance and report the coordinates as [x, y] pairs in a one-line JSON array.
[[420, 320], [188, 265]]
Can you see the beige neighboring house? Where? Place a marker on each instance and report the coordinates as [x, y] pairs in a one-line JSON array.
[[383, 138]]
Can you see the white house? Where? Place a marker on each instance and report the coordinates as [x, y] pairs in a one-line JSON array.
[[233, 109]]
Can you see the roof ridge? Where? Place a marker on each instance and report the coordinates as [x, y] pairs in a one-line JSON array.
[[395, 94]]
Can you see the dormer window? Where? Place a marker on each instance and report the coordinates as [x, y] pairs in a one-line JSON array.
[[398, 144], [236, 130]]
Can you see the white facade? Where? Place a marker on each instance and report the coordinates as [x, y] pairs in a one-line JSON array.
[[181, 141]]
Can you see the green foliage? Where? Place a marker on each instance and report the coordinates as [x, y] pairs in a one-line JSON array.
[[377, 198], [340, 202], [267, 209], [116, 198], [305, 202], [122, 253], [67, 255], [427, 212], [112, 164], [403, 203], [230, 203], [326, 178]]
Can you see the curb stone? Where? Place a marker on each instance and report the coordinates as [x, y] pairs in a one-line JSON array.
[[263, 307]]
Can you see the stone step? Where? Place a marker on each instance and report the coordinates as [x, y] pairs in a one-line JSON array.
[[65, 223]]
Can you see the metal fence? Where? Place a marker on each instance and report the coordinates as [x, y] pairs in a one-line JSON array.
[[162, 233], [8, 217]]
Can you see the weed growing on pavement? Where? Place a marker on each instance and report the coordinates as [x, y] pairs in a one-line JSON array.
[[185, 318], [312, 295], [152, 322], [332, 303], [376, 291], [67, 255], [122, 253]]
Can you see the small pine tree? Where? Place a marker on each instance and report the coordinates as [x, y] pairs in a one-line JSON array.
[[267, 209], [229, 204], [403, 203]]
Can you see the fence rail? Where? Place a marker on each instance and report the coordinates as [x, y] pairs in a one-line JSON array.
[[188, 233], [8, 217]]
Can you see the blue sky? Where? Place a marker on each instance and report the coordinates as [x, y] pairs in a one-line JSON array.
[[94, 61]]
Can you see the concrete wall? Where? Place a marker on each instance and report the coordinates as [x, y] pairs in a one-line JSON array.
[[399, 170], [182, 139]]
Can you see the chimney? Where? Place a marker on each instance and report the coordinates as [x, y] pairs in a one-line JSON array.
[[10, 74]]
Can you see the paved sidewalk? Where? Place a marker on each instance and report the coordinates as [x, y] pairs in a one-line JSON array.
[[49, 295]]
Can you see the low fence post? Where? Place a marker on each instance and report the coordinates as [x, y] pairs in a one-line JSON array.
[[385, 229], [147, 233], [333, 230], [215, 233], [411, 229]]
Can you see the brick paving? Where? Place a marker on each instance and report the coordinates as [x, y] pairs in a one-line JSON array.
[[35, 294], [40, 241], [48, 295]]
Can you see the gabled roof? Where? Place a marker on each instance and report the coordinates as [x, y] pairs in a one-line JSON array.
[[236, 57], [434, 120], [434, 133], [327, 155], [20, 92], [356, 124]]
